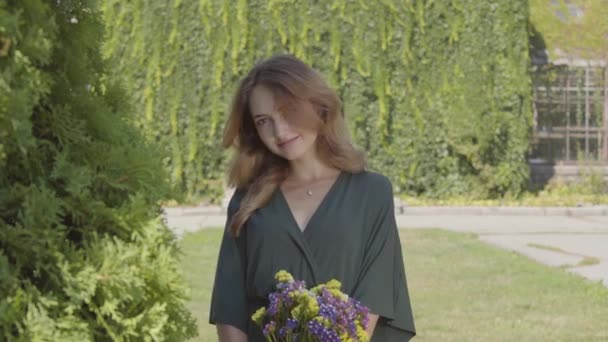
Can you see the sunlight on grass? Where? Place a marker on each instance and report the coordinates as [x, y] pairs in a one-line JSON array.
[[461, 288]]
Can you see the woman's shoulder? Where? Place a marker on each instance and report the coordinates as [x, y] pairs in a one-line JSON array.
[[374, 185], [235, 199], [373, 182]]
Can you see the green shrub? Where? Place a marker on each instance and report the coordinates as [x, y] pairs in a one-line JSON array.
[[83, 253]]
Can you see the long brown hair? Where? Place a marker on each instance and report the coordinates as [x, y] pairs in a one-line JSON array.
[[257, 169]]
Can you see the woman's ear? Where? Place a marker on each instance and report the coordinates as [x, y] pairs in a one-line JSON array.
[[324, 115], [322, 112]]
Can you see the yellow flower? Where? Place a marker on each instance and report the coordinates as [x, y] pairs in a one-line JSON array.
[[333, 284], [344, 337], [338, 294], [317, 289], [326, 322], [258, 316], [299, 294], [297, 313], [362, 334], [313, 306], [283, 277]]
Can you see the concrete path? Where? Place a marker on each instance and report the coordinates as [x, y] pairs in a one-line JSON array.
[[577, 243], [573, 238]]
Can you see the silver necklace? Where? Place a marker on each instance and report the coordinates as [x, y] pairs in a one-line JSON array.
[[309, 190]]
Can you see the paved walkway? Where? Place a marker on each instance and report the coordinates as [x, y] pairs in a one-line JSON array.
[[578, 243], [573, 238]]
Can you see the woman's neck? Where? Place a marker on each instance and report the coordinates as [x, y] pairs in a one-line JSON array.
[[309, 169]]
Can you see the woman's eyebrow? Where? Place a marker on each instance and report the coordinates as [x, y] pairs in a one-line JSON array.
[[277, 111]]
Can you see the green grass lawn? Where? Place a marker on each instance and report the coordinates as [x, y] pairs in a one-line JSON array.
[[461, 289]]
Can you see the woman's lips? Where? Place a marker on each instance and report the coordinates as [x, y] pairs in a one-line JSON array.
[[288, 142]]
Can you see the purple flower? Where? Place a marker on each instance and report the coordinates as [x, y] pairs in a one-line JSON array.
[[292, 323], [362, 312], [275, 303], [336, 313], [324, 334], [328, 311], [269, 328], [352, 328]]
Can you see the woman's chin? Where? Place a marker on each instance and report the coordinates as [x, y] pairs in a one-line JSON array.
[[291, 153], [289, 156]]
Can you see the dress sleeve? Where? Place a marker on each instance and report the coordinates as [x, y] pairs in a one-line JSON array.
[[382, 285], [228, 299]]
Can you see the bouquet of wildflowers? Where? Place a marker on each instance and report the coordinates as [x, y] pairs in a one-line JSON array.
[[322, 313]]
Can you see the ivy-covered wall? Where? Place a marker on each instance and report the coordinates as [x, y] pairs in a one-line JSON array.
[[438, 92]]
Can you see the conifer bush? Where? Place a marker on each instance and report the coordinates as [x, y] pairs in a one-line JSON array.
[[84, 254]]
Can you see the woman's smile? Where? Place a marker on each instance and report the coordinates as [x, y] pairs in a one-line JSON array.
[[288, 142]]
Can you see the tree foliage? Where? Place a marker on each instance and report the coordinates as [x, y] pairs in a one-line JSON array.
[[83, 253]]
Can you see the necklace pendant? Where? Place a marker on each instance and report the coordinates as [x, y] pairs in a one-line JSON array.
[[309, 192]]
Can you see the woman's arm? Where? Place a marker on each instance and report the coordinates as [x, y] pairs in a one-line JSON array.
[[230, 333], [371, 325], [229, 308]]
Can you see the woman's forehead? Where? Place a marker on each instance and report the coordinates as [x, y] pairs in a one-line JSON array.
[[264, 100]]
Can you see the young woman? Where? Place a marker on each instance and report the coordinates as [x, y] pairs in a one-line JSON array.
[[303, 203]]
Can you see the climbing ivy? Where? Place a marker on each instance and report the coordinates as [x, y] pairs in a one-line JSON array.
[[437, 92]]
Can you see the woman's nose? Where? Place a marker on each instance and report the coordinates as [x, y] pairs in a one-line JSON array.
[[281, 126]]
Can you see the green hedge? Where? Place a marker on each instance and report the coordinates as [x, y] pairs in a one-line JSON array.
[[438, 92], [84, 255]]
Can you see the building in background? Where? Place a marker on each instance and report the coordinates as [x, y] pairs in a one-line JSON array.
[[570, 84]]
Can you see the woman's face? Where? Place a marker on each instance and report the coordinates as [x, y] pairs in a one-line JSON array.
[[289, 132]]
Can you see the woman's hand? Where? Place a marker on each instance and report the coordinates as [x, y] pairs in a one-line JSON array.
[[230, 333], [371, 325]]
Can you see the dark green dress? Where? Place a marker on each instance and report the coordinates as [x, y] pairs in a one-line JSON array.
[[351, 237]]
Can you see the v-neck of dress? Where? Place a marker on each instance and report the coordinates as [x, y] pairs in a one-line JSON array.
[[317, 210]]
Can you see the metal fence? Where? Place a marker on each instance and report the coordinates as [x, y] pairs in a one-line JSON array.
[[570, 113]]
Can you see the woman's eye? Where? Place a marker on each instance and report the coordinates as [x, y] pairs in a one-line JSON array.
[[261, 122]]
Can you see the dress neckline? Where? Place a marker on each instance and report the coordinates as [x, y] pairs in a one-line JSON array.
[[322, 204]]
